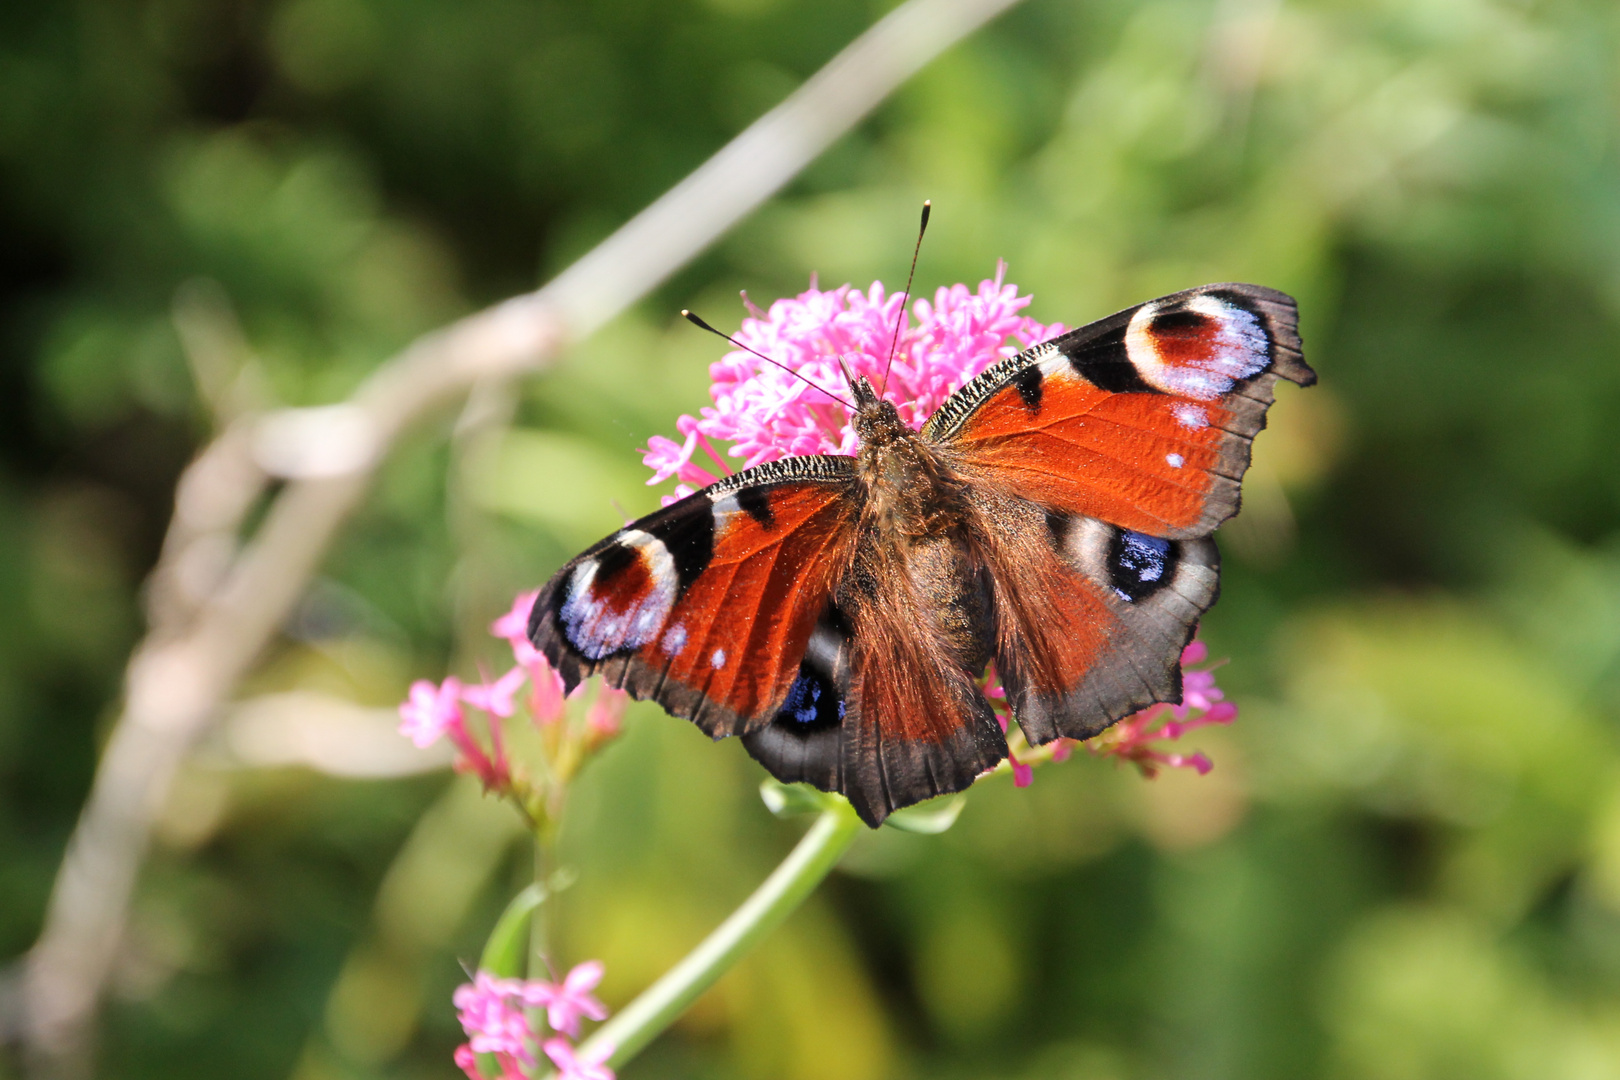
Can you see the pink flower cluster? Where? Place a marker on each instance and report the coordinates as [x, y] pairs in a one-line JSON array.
[[493, 1013], [435, 711], [1202, 704], [1133, 738], [764, 413]]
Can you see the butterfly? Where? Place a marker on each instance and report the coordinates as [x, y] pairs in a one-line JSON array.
[[1053, 517]]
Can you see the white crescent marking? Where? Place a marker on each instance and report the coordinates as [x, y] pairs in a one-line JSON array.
[[1237, 352], [596, 628]]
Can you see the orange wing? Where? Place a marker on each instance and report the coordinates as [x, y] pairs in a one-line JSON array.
[[1142, 420], [707, 605]]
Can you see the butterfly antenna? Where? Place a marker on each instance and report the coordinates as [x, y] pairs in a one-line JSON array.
[[700, 324], [928, 207]]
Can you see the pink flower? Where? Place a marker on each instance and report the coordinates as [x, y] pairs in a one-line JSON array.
[[569, 1000], [496, 698], [546, 697], [514, 625], [570, 1066], [467, 1062], [489, 1012], [1198, 691], [434, 711], [1201, 704], [546, 691], [606, 713], [431, 711], [764, 413]]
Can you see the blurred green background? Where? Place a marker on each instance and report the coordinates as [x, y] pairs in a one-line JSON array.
[[1406, 864]]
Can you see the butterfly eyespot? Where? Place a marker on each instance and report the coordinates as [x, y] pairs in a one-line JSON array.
[[620, 599], [1139, 565], [1198, 347], [811, 703]]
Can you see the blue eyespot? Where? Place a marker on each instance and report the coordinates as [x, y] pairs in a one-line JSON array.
[[802, 700], [1139, 564], [811, 701]]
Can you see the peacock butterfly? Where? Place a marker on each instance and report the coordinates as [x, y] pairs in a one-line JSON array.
[[1053, 515]]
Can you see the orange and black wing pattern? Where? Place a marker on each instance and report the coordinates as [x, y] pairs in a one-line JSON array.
[[1101, 461], [1142, 420], [886, 708], [707, 606]]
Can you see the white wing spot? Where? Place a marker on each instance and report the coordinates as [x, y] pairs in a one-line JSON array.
[[1175, 461], [674, 640], [1190, 416], [718, 660]]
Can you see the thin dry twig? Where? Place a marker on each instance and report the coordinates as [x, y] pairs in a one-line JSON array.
[[204, 637]]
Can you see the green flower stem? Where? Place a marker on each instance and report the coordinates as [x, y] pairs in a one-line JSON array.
[[638, 1023], [540, 923]]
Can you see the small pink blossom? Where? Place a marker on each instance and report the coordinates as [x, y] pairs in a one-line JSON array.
[[566, 1002], [764, 413], [546, 687], [546, 697], [606, 714], [492, 1012], [572, 1066], [1201, 704], [431, 711], [514, 625], [1198, 691], [489, 1012], [496, 698], [467, 1061]]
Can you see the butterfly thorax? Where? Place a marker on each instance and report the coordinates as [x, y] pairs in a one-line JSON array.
[[910, 492]]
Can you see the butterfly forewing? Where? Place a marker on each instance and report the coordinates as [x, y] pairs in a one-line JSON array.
[[1142, 420], [707, 605]]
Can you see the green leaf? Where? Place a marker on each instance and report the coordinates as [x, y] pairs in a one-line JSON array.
[[929, 819], [791, 800], [507, 949]]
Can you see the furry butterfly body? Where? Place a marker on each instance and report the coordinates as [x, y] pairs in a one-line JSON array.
[[1053, 516]]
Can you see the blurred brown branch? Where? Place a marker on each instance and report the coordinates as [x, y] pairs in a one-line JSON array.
[[214, 605]]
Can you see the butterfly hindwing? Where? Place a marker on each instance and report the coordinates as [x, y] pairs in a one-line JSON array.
[[707, 605], [805, 740], [1091, 618], [1143, 419], [885, 708]]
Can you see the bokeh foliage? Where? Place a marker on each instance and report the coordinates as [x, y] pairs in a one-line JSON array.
[[1407, 862]]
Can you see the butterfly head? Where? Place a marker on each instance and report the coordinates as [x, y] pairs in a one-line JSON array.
[[877, 421]]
